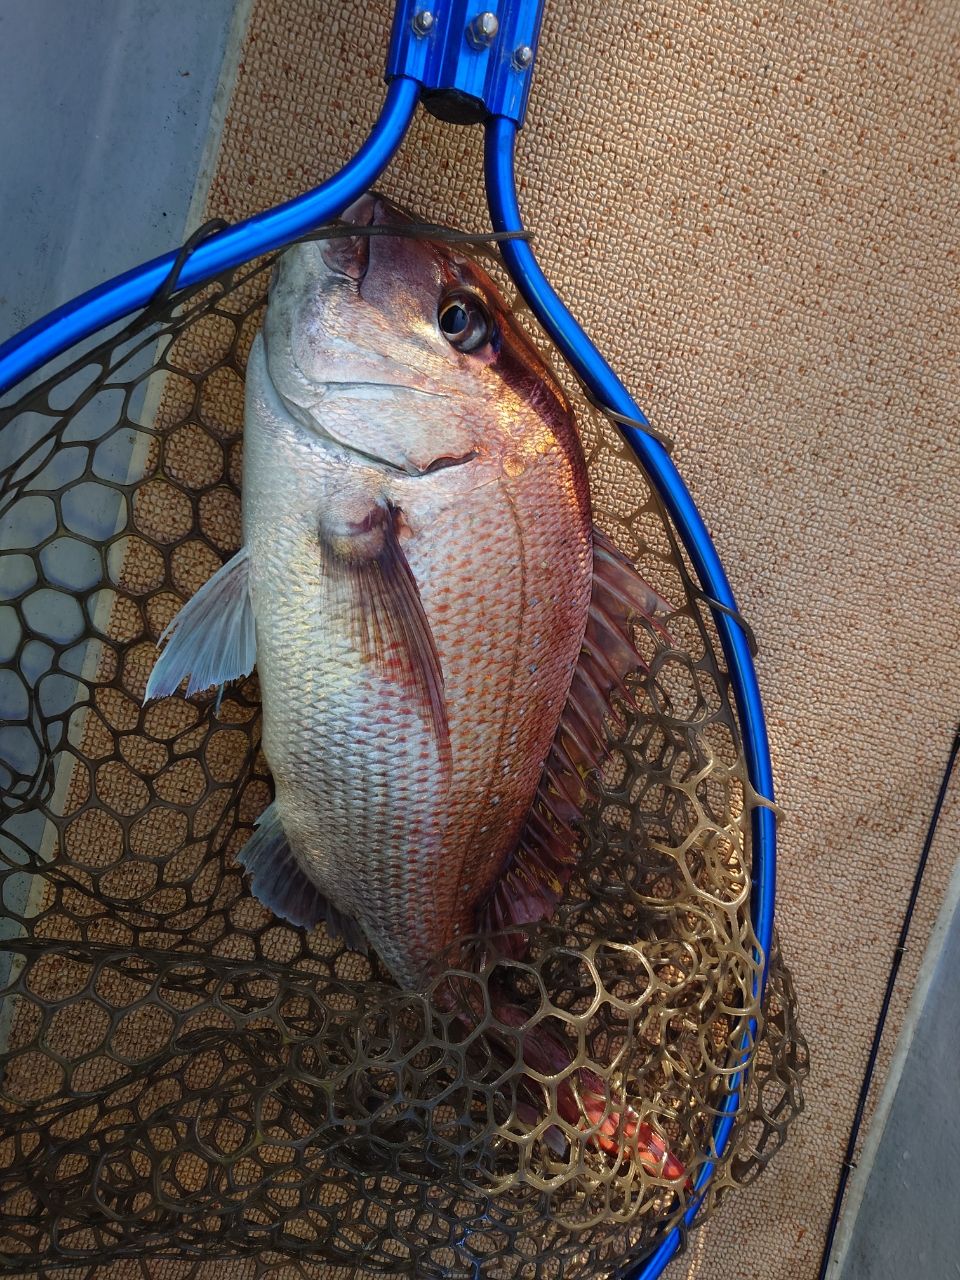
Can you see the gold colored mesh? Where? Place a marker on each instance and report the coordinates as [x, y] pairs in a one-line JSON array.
[[186, 1078]]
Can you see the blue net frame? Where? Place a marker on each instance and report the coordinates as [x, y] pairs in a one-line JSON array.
[[467, 70]]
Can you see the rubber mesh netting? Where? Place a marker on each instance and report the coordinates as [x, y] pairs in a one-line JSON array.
[[184, 1077]]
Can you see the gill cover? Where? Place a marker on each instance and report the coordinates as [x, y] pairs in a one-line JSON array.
[[360, 349]]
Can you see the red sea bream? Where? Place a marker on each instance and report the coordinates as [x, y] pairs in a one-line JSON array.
[[435, 623]]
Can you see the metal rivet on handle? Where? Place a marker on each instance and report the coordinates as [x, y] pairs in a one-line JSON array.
[[423, 21], [522, 57], [483, 29]]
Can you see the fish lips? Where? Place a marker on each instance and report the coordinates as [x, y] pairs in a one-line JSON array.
[[399, 459]]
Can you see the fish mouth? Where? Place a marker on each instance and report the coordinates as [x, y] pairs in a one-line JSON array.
[[365, 383], [308, 421]]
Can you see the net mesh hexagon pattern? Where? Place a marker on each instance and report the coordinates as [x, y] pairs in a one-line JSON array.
[[184, 1076]]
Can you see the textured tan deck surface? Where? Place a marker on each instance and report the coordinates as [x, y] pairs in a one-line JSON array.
[[755, 214]]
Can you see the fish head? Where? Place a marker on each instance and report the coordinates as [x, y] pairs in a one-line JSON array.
[[402, 349]]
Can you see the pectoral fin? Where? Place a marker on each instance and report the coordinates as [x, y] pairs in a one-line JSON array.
[[213, 637], [390, 628]]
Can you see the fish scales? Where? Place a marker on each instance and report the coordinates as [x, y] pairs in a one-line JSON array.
[[501, 553], [414, 587], [437, 626]]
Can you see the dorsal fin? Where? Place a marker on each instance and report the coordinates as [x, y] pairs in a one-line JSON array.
[[550, 844]]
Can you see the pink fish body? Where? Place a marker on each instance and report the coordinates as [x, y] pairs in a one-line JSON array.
[[415, 585]]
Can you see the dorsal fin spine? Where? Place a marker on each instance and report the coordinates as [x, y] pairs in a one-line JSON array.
[[550, 843]]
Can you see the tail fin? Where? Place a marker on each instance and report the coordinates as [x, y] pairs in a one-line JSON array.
[[583, 1099]]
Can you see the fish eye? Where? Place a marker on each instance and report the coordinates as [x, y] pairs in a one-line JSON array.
[[464, 320]]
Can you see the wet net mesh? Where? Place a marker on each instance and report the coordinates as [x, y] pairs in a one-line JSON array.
[[183, 1077]]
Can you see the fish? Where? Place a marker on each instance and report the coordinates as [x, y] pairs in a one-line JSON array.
[[436, 622]]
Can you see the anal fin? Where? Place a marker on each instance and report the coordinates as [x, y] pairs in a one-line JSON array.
[[549, 846], [212, 639], [278, 880]]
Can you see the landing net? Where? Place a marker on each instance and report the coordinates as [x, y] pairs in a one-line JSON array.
[[183, 1077]]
